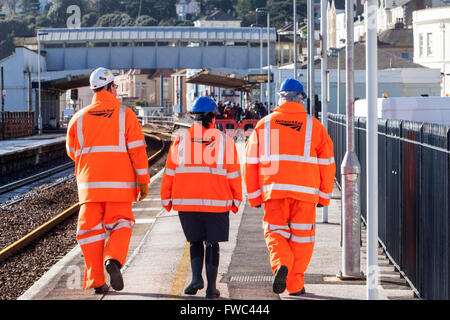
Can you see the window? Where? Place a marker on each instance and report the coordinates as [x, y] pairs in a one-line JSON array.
[[421, 45], [429, 44]]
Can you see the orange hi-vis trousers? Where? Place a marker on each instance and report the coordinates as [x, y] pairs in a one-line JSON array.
[[94, 219], [289, 230]]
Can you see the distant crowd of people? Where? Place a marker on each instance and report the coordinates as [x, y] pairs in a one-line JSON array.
[[232, 110]]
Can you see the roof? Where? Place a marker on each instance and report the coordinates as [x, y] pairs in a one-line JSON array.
[[221, 80], [386, 60], [157, 33], [218, 15], [65, 83], [400, 37]]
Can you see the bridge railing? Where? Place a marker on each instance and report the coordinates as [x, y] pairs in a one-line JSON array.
[[413, 197]]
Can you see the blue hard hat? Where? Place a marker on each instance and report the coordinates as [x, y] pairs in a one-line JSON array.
[[204, 104], [292, 85]]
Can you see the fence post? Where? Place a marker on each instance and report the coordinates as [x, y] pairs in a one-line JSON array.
[[448, 215]]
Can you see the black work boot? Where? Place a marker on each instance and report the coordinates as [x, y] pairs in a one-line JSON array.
[[298, 293], [102, 289], [113, 268], [212, 267], [279, 279], [197, 252]]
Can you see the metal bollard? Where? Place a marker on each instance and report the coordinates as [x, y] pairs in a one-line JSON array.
[[351, 217]]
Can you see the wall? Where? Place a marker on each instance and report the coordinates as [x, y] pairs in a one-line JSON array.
[[436, 23]]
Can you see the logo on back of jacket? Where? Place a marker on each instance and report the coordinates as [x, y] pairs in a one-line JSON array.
[[208, 142], [295, 125], [105, 113]]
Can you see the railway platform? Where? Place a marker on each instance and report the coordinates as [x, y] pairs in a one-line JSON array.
[[30, 142], [158, 265]]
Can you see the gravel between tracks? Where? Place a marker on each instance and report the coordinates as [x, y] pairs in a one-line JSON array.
[[23, 269]]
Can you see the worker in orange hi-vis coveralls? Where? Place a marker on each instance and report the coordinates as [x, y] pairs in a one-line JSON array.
[[107, 144], [289, 166], [202, 180]]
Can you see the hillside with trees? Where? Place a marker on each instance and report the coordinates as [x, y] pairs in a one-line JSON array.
[[23, 17]]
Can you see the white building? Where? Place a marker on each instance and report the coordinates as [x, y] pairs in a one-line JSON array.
[[187, 7], [432, 41], [218, 19], [19, 70]]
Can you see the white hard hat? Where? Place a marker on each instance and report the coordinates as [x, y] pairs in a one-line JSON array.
[[100, 77]]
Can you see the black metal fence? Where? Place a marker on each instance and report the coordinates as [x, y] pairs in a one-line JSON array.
[[413, 196]]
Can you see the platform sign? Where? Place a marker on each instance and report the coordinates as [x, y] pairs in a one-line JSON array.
[[259, 78]]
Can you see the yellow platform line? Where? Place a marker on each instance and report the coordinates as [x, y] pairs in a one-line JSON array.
[[181, 274]]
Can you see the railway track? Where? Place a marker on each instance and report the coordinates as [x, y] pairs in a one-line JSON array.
[[73, 209]]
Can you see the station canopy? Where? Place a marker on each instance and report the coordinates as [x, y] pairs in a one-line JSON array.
[[230, 81], [64, 83]]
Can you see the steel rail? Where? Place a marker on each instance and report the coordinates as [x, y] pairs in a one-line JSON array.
[[52, 223], [16, 184]]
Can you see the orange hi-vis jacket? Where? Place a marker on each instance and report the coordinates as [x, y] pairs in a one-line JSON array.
[[202, 172], [289, 155], [106, 142]]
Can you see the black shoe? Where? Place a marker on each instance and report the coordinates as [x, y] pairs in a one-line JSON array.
[[212, 294], [298, 293], [113, 268], [279, 279], [212, 267], [192, 288], [197, 252], [102, 289]]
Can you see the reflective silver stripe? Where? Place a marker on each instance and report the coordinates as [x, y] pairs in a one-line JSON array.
[[302, 239], [94, 149], [121, 223], [293, 238], [308, 135], [325, 161], [80, 131], [236, 203], [122, 126], [96, 228], [166, 202], [324, 195], [181, 152], [135, 144], [289, 187], [251, 160], [96, 238], [217, 171], [169, 172], [221, 155], [202, 202], [285, 234], [233, 175], [301, 226], [107, 184], [267, 136], [254, 195], [268, 227], [70, 149], [140, 172]]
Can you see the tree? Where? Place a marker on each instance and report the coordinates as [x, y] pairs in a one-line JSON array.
[[89, 19], [114, 20], [146, 21], [207, 6]]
